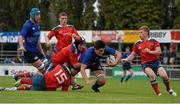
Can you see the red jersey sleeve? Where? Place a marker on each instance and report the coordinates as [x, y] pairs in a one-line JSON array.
[[135, 48], [156, 44], [73, 58], [51, 34], [75, 32]]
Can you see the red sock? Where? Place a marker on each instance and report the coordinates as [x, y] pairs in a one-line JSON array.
[[23, 88], [166, 82], [154, 84], [26, 81], [23, 74]]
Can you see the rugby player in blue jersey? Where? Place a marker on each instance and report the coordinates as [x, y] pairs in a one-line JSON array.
[[92, 59], [29, 41]]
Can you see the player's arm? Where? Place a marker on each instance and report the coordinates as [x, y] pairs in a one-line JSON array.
[[49, 37], [20, 41], [156, 52], [23, 33], [84, 75], [75, 34], [117, 56], [40, 47], [130, 57]]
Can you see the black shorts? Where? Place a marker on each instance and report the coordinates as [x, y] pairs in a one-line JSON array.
[[154, 65], [31, 57], [126, 66], [94, 67]]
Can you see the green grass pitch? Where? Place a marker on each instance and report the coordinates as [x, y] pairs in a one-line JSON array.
[[134, 91]]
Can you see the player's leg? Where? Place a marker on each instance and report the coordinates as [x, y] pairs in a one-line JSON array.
[[75, 86], [130, 75], [34, 59], [162, 73], [15, 88], [38, 82], [74, 71], [150, 73], [100, 80], [22, 74], [123, 76], [25, 79]]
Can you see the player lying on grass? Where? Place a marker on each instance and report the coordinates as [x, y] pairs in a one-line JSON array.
[[92, 59], [59, 77], [149, 50], [69, 56]]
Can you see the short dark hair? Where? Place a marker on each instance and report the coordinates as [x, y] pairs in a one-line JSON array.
[[99, 44], [62, 14]]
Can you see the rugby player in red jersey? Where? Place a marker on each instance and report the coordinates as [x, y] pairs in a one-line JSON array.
[[63, 33], [59, 77], [70, 56], [149, 50]]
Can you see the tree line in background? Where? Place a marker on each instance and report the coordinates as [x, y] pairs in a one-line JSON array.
[[112, 15]]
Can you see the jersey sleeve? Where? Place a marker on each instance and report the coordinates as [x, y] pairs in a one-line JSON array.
[[110, 50], [51, 34], [156, 44], [75, 31], [135, 48], [86, 57], [25, 29], [73, 59]]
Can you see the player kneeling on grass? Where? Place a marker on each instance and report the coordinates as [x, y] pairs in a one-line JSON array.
[[59, 77], [92, 59], [70, 56], [149, 50]]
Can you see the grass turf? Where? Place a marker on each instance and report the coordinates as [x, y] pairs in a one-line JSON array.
[[134, 91]]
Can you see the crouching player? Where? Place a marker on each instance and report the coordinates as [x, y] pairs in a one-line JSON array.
[[70, 56], [59, 77], [92, 59]]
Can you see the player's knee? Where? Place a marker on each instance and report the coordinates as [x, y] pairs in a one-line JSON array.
[[74, 72], [152, 77], [45, 61], [164, 77], [102, 82]]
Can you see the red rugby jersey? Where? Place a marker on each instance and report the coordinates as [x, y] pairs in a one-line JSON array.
[[68, 54], [151, 44], [63, 35], [58, 77]]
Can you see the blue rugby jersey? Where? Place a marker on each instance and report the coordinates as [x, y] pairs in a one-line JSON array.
[[31, 35], [91, 57]]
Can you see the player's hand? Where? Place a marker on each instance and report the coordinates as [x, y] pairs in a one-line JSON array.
[[124, 60], [111, 63], [146, 50], [48, 44], [89, 81], [22, 49]]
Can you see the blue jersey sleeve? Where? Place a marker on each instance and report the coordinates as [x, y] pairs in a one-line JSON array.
[[87, 56], [110, 50], [25, 29]]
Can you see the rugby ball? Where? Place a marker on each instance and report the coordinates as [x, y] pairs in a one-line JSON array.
[[110, 58]]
